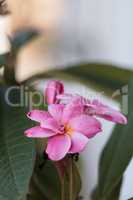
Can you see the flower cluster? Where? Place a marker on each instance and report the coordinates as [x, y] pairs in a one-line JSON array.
[[70, 121]]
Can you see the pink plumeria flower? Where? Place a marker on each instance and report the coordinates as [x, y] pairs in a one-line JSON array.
[[68, 130], [69, 122], [53, 89], [95, 108]]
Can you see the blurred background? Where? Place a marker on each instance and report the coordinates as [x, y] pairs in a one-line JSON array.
[[76, 32]]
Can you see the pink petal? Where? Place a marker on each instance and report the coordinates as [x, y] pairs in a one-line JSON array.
[[65, 98], [79, 142], [56, 111], [72, 110], [86, 125], [58, 147], [114, 116], [53, 89], [38, 115], [51, 124], [70, 98], [38, 132], [107, 113], [79, 100]]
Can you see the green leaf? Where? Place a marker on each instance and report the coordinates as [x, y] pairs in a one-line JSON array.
[[113, 196], [3, 197], [116, 155], [116, 191], [16, 151], [102, 77], [105, 74], [48, 181], [72, 181]]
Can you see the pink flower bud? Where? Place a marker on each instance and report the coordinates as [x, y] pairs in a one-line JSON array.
[[53, 89]]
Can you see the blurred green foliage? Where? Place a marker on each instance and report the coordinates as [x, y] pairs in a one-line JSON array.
[[104, 78], [16, 151]]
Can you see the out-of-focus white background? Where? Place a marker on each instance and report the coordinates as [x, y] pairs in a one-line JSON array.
[[98, 30]]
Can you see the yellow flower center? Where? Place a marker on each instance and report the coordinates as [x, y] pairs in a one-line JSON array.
[[68, 130]]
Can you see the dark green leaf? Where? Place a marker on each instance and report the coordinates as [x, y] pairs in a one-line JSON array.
[[16, 151], [102, 77], [114, 195], [3, 197], [46, 183], [116, 155], [105, 74], [116, 192]]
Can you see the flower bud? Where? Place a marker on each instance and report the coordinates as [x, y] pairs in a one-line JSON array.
[[53, 89]]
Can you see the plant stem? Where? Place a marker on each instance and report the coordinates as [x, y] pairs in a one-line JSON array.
[[63, 189], [71, 180]]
